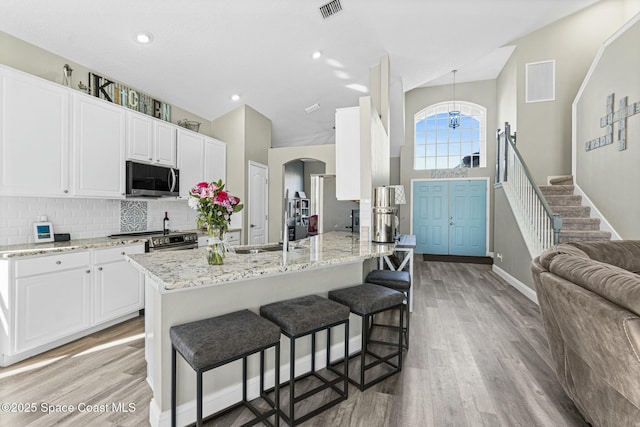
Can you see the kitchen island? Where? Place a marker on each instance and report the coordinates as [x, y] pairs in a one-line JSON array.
[[181, 287]]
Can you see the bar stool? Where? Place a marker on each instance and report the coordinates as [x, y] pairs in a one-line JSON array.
[[399, 281], [365, 301], [304, 316], [210, 343]]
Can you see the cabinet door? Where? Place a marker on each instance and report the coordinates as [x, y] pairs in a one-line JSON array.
[[34, 136], [99, 148], [348, 153], [190, 160], [119, 290], [165, 144], [52, 306], [139, 137], [215, 160]]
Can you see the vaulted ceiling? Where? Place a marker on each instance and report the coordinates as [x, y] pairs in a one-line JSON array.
[[204, 51]]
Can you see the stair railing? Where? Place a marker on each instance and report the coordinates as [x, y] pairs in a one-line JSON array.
[[539, 224]]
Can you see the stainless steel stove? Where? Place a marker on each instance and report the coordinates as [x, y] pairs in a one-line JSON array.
[[158, 241]]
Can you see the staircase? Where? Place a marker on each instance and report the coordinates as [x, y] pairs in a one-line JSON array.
[[577, 226]]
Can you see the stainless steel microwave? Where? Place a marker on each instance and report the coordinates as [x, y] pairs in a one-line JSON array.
[[145, 180]]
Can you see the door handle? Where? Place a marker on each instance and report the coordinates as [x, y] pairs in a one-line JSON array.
[[252, 225], [173, 180]]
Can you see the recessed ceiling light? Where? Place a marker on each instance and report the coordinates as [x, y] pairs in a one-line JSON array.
[[317, 54], [235, 97], [144, 38], [358, 87]]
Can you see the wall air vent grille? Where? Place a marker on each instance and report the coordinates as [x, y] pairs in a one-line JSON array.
[[330, 9]]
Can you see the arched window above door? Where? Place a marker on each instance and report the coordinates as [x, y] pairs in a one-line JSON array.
[[439, 146]]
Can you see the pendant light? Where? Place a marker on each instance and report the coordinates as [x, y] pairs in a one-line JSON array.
[[454, 115]]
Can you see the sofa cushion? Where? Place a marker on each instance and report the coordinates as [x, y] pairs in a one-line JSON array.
[[621, 253], [610, 282]]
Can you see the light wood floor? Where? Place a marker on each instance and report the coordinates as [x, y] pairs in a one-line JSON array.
[[478, 357]]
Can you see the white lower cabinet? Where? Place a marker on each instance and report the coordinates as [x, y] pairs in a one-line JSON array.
[[119, 287], [51, 306], [53, 299]]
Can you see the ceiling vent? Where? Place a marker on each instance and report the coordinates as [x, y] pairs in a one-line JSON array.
[[330, 8], [312, 108]]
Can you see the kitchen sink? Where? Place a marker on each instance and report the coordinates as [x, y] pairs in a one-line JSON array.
[[259, 250]]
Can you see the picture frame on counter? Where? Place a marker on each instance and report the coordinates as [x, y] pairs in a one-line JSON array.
[[43, 232]]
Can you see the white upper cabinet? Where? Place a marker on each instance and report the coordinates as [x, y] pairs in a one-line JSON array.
[[348, 153], [215, 160], [34, 136], [190, 160], [200, 158], [150, 140], [98, 148]]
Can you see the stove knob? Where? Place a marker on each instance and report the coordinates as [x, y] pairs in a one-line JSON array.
[[166, 240], [155, 241]]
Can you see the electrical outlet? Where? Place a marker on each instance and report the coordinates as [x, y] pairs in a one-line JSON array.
[[499, 256]]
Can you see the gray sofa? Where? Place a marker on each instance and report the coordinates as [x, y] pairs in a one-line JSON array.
[[589, 296]]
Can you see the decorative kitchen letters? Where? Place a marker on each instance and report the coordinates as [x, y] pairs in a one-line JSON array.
[[620, 116], [111, 91]]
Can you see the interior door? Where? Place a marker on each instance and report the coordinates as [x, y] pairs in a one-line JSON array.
[[257, 203], [449, 217]]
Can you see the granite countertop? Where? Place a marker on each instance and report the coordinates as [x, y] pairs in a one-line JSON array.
[[173, 270], [30, 249]]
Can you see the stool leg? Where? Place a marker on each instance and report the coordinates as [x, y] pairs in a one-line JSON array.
[[199, 398], [292, 378], [261, 372], [406, 338], [363, 348], [400, 336], [346, 359], [244, 378], [173, 386], [313, 352], [328, 347], [277, 386]]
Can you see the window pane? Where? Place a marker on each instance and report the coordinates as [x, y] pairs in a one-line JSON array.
[[454, 149], [431, 125], [420, 150], [443, 149], [420, 126], [431, 138], [420, 137], [441, 162], [419, 163], [443, 124], [442, 137], [431, 150], [431, 163], [454, 162]]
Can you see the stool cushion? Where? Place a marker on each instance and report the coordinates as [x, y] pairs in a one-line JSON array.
[[399, 280], [302, 315], [206, 342], [367, 298]]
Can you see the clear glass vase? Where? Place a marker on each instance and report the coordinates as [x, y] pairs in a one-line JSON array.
[[215, 252]]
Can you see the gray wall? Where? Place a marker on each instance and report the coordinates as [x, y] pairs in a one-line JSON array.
[[509, 243], [544, 128], [608, 176]]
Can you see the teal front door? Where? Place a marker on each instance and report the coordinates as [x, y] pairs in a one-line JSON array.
[[449, 217]]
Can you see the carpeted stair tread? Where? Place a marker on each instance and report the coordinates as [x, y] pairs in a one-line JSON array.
[[572, 211], [562, 180], [583, 236], [586, 224], [564, 200], [549, 190]]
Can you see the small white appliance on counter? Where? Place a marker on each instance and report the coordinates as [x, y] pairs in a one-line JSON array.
[[384, 215]]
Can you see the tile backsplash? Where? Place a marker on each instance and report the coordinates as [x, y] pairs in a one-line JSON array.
[[88, 218]]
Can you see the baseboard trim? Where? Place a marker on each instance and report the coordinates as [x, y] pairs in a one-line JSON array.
[[214, 402], [595, 213], [520, 287], [457, 258]]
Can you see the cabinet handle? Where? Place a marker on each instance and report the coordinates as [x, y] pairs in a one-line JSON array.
[[123, 253], [58, 262], [66, 191], [88, 271], [99, 269], [150, 159]]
